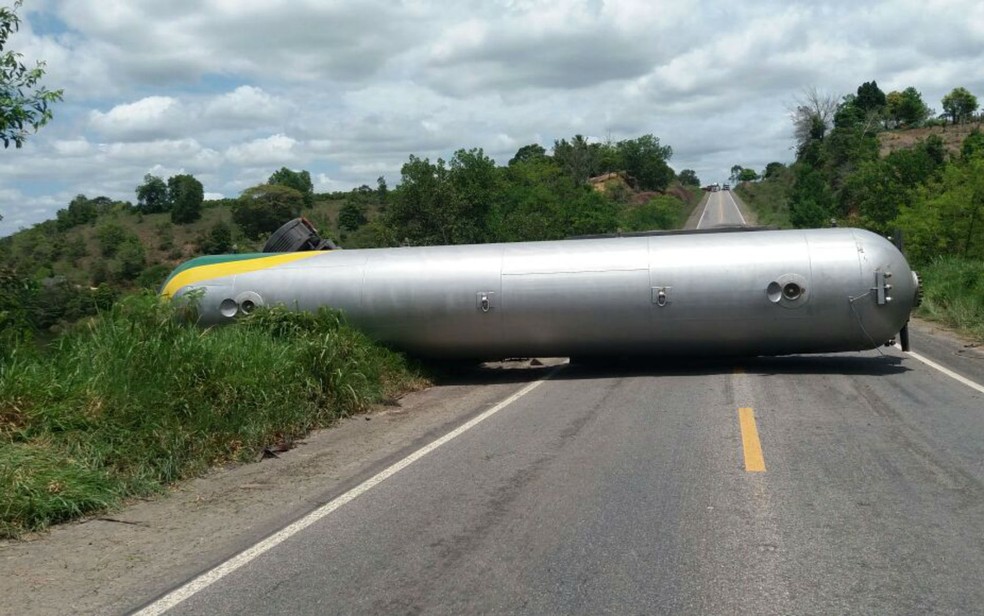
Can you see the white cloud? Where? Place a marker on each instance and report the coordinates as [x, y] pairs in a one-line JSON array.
[[323, 183], [273, 150], [246, 106], [232, 90], [162, 150], [72, 148], [148, 118]]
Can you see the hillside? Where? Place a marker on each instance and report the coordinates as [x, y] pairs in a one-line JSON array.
[[952, 135], [76, 254]]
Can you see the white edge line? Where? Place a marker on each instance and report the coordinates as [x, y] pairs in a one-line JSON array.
[[738, 209], [704, 213], [944, 370], [178, 595]]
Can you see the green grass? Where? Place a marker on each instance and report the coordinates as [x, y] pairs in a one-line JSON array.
[[953, 294], [135, 399], [769, 199], [661, 212]]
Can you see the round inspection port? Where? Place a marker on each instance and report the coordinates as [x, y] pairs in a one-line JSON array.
[[228, 308], [792, 291], [248, 306]]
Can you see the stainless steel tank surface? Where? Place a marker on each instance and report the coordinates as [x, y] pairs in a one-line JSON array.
[[747, 293]]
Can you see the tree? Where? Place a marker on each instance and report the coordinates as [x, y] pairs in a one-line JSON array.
[[877, 189], [298, 180], [185, 195], [152, 195], [445, 203], [382, 191], [736, 171], [772, 170], [812, 116], [110, 236], [748, 175], [81, 210], [849, 114], [218, 240], [873, 194], [23, 102], [645, 160], [959, 104], [475, 185], [262, 209], [352, 215], [946, 215], [539, 201], [131, 259], [689, 177], [870, 98], [973, 145], [811, 200], [533, 151], [905, 108], [418, 213], [578, 158]]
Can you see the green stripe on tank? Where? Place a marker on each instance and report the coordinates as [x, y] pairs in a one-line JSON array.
[[212, 260]]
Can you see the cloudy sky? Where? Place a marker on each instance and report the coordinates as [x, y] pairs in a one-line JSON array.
[[231, 90]]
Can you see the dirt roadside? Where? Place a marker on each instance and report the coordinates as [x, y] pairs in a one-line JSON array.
[[117, 561], [747, 213]]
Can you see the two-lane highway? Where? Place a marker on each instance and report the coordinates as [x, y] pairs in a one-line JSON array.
[[843, 483], [625, 490], [720, 210]]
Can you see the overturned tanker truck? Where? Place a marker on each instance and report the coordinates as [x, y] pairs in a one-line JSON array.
[[713, 293]]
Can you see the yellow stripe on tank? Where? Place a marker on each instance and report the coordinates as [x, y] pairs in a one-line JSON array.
[[202, 273]]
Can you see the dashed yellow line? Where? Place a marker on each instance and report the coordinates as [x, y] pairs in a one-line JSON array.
[[754, 462]]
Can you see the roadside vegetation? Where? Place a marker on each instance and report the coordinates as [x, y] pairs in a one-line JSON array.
[[136, 398], [769, 197], [953, 294], [888, 163]]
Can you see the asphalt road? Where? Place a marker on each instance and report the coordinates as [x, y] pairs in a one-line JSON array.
[[625, 490], [719, 210], [832, 484]]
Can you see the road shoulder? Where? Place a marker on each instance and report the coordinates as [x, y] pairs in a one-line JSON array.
[[948, 348], [113, 562]]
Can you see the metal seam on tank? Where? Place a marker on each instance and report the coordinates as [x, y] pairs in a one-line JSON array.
[[809, 262], [501, 318], [362, 285], [851, 299], [857, 253]]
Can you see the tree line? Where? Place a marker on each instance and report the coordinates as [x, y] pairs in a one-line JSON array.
[[933, 194], [535, 196]]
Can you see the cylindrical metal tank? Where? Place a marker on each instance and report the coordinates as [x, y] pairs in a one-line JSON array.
[[744, 293]]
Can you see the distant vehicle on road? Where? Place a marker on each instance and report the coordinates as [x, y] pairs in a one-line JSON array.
[[727, 187]]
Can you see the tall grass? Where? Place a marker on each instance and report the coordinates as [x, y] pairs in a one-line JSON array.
[[953, 293], [136, 399], [769, 199]]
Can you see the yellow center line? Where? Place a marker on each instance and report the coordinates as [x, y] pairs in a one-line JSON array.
[[754, 462]]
